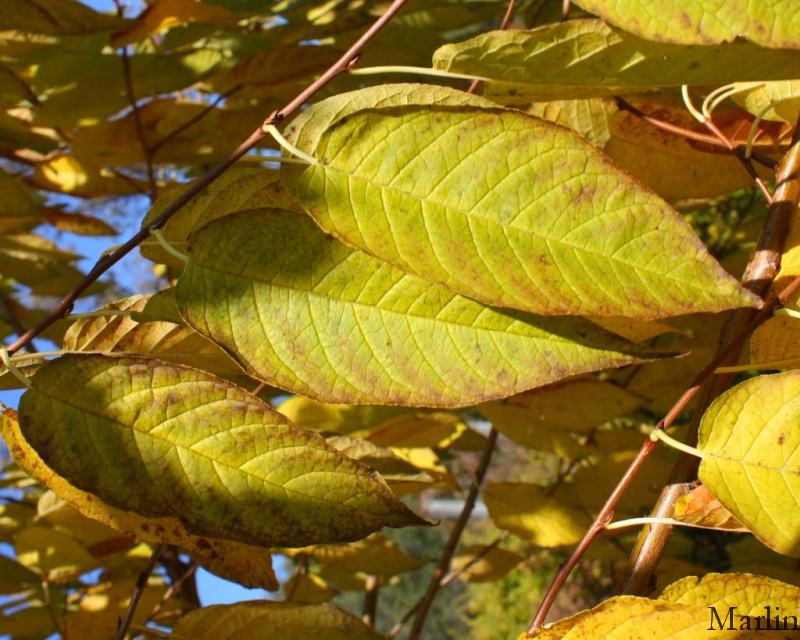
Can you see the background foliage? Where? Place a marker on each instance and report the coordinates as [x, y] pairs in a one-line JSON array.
[[403, 352]]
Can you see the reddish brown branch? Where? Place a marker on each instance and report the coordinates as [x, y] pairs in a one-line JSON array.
[[689, 134], [445, 559], [607, 512], [758, 277], [13, 319], [104, 264]]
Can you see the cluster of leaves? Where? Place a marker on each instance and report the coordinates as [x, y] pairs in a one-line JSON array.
[[343, 320]]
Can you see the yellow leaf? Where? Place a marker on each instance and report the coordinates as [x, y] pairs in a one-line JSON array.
[[306, 587], [574, 405], [336, 418], [162, 15], [53, 553], [258, 620], [701, 508], [529, 512], [492, 566], [748, 593], [436, 429], [251, 566], [777, 340]]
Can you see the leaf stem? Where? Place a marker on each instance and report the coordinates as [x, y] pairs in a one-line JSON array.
[[446, 558], [420, 71], [659, 434]]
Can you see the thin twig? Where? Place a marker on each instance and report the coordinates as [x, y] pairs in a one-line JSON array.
[[607, 512], [450, 577], [48, 600], [13, 319], [688, 133], [108, 261], [141, 585], [455, 536], [194, 120], [139, 126], [371, 600], [174, 588], [761, 271], [507, 17]]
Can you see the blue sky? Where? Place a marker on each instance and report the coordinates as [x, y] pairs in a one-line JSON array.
[[129, 273]]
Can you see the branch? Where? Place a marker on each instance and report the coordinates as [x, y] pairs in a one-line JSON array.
[[450, 577], [607, 512], [13, 319], [104, 264], [141, 584], [371, 601], [688, 133], [507, 17], [174, 588], [137, 120], [758, 277], [194, 120], [455, 536]]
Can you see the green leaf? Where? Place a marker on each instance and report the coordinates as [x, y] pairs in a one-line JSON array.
[[751, 457], [307, 128], [235, 190], [248, 565], [778, 101], [258, 620], [584, 58], [308, 314], [769, 23], [510, 210], [173, 441]]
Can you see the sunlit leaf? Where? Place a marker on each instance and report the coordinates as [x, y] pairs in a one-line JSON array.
[[236, 190], [119, 332], [777, 340], [306, 313], [769, 24], [53, 553], [337, 418], [778, 100], [401, 184], [584, 58], [747, 593], [529, 512], [751, 456], [701, 508], [228, 466]]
